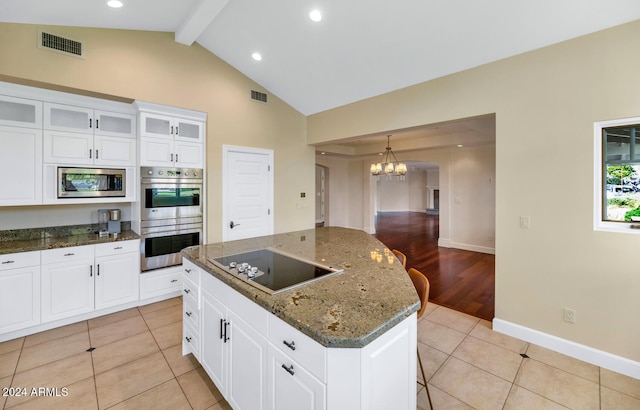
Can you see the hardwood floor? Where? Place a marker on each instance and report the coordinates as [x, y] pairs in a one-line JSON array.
[[461, 280]]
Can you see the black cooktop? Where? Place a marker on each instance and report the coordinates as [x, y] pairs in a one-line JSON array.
[[273, 271]]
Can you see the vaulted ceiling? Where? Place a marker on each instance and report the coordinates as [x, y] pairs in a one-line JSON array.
[[360, 48]]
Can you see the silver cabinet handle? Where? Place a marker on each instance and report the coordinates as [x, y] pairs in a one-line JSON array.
[[291, 345], [117, 248], [6, 262], [69, 254], [288, 369], [174, 280]]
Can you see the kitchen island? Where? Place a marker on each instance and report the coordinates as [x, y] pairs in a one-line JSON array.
[[344, 341]]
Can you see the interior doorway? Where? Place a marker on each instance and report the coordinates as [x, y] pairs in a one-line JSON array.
[[321, 194]]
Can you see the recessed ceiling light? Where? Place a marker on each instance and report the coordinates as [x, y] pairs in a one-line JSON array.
[[256, 56], [459, 145], [114, 3], [315, 15]]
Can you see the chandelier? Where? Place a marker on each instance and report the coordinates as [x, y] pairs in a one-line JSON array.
[[387, 166]]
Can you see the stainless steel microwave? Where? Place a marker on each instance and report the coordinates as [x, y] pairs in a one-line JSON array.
[[91, 182]]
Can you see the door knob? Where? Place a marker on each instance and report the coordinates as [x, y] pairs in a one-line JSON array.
[[231, 225]]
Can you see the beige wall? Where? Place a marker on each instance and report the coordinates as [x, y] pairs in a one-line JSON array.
[[151, 66], [545, 102]]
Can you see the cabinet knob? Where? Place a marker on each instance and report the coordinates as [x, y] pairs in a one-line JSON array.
[[288, 369], [291, 345]]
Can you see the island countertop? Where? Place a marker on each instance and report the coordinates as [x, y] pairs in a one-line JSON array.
[[347, 310]]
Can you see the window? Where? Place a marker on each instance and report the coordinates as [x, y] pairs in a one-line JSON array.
[[617, 179]]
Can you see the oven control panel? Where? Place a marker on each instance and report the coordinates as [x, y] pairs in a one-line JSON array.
[[172, 173]]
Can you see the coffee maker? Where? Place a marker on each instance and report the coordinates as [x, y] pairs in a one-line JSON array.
[[109, 222]]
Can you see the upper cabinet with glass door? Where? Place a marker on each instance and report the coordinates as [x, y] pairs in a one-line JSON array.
[[20, 112], [59, 117], [165, 126]]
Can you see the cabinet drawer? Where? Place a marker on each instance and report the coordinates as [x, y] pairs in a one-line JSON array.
[[116, 248], [300, 347], [157, 283], [190, 292], [67, 254], [19, 260], [191, 313], [191, 271], [191, 340]]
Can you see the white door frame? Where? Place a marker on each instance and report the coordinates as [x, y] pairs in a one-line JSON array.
[[226, 149]]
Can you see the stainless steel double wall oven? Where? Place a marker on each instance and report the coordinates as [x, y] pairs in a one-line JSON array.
[[170, 214]]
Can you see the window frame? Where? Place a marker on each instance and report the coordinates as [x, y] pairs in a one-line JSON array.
[[599, 195]]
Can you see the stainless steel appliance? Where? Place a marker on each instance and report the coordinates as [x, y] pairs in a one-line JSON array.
[[91, 182], [273, 271], [170, 214]]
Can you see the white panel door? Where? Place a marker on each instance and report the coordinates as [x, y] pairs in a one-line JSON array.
[[117, 278], [247, 186], [114, 151], [67, 289]]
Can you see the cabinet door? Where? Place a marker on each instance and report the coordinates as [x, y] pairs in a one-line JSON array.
[[188, 130], [67, 289], [290, 386], [68, 148], [156, 152], [19, 298], [68, 118], [213, 345], [248, 352], [156, 126], [188, 155], [114, 151], [114, 124], [117, 279], [19, 112], [21, 166]]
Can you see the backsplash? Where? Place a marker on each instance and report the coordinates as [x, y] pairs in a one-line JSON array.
[[53, 232]]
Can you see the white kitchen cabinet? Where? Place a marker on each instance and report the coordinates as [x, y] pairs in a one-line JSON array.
[[20, 166], [19, 291], [160, 284], [84, 136], [67, 282], [20, 112], [171, 137], [61, 147], [86, 120], [291, 386], [170, 127], [117, 273], [82, 279], [234, 349]]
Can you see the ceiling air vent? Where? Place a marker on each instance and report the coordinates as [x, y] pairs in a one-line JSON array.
[[258, 96], [60, 44]]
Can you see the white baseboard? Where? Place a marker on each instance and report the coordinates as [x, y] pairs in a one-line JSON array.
[[587, 354], [446, 243]]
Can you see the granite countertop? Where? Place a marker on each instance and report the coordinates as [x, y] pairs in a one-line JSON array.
[[39, 239], [347, 310]]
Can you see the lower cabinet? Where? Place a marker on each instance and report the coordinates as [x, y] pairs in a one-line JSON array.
[[234, 354], [82, 279], [258, 361], [160, 283], [19, 291], [290, 386]]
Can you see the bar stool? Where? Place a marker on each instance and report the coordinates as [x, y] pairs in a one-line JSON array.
[[421, 283], [401, 256]]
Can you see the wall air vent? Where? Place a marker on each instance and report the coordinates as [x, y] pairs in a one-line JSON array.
[[258, 96], [61, 45]]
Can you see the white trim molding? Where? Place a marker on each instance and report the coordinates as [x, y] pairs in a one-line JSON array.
[[446, 243], [587, 354]]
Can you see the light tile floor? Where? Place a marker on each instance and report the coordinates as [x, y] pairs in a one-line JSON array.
[[137, 364]]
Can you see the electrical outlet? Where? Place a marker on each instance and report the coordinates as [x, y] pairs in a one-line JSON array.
[[569, 315]]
